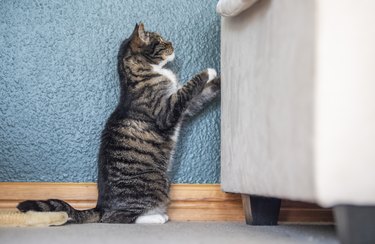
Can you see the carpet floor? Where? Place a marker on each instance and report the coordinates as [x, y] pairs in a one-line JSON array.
[[172, 232]]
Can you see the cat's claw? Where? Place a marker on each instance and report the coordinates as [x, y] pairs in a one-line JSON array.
[[211, 74]]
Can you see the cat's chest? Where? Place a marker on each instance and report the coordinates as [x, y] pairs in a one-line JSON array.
[[166, 73]]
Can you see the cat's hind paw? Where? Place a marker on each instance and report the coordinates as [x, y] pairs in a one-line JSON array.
[[152, 219]]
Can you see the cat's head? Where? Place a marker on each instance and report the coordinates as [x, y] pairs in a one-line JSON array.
[[151, 45]]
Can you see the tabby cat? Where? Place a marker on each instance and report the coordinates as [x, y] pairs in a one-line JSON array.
[[139, 138]]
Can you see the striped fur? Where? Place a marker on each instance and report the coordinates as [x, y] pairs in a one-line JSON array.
[[140, 135]]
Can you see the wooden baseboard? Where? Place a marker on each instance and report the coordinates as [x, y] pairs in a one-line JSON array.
[[189, 202]]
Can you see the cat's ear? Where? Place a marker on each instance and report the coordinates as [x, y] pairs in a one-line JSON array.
[[138, 36], [141, 32]]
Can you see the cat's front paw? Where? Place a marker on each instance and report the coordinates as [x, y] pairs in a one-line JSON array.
[[215, 83], [211, 74]]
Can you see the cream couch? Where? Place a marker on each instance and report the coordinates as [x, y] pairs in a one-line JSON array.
[[298, 104]]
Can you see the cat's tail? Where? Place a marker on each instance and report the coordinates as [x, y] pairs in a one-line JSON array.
[[55, 205]]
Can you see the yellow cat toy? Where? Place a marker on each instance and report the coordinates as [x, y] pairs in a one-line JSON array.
[[32, 219]]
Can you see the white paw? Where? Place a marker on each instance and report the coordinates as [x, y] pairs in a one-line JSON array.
[[152, 219], [211, 74]]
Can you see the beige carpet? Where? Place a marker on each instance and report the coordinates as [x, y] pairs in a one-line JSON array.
[[172, 232]]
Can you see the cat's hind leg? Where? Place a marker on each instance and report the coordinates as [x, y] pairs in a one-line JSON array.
[[119, 216]]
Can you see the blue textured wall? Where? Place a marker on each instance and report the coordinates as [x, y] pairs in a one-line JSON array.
[[58, 83]]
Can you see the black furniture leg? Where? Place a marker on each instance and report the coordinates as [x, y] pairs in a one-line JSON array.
[[261, 210], [355, 224]]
